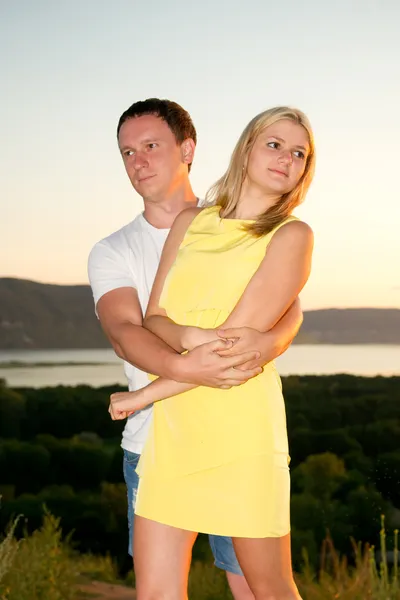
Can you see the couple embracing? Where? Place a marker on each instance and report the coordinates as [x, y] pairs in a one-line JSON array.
[[198, 298]]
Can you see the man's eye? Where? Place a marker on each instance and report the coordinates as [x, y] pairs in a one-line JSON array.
[[129, 153], [152, 145]]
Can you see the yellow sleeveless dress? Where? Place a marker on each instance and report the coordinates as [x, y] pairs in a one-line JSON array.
[[216, 461]]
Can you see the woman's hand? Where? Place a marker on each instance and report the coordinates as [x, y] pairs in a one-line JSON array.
[[123, 404], [246, 339], [196, 336]]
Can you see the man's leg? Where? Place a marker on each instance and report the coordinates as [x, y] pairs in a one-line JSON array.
[[132, 481], [225, 559]]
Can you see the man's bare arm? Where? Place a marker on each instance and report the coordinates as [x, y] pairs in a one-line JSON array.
[[120, 315], [121, 318]]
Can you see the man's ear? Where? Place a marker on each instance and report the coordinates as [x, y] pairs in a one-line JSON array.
[[188, 148]]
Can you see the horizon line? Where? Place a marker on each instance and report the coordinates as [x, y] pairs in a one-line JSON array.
[[13, 277]]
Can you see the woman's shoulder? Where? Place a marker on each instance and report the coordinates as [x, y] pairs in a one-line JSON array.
[[295, 226], [189, 214], [293, 231]]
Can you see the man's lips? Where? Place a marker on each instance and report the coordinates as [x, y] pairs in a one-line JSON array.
[[279, 172], [142, 179]]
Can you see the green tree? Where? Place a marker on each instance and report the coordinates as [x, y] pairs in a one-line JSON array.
[[321, 475], [12, 412]]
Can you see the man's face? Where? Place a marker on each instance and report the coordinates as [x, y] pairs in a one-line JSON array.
[[155, 163]]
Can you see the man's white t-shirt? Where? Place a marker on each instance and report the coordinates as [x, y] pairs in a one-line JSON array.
[[129, 258]]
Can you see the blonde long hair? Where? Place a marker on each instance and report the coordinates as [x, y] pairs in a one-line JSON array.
[[226, 191]]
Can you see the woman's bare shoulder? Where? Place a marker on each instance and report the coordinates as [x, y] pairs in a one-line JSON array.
[[296, 231], [184, 219]]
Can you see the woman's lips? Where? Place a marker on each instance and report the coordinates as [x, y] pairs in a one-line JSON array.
[[279, 172]]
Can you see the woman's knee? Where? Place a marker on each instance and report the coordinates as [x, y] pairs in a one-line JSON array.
[[277, 590], [160, 593]]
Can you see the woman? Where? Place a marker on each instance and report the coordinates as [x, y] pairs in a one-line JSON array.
[[216, 461]]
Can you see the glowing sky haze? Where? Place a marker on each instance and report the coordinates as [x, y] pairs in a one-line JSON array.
[[70, 68]]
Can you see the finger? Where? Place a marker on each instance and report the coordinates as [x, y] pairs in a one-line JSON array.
[[252, 364], [240, 359], [119, 415], [113, 413], [232, 332], [216, 345], [233, 351], [241, 376], [230, 383]]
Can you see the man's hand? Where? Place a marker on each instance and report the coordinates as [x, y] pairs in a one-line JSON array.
[[204, 366], [246, 339]]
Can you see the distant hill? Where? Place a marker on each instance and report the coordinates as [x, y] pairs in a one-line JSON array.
[[351, 326], [37, 315], [44, 316]]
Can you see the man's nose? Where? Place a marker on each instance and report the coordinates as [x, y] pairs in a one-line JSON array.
[[140, 161]]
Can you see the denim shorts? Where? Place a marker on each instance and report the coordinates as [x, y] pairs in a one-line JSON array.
[[222, 547]]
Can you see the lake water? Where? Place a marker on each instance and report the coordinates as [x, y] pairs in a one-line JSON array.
[[106, 368]]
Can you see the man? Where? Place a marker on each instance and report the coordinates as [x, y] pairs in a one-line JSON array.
[[157, 142]]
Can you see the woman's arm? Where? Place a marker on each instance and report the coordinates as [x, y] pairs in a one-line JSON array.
[[270, 344], [123, 404], [156, 319], [271, 291], [278, 281], [269, 301]]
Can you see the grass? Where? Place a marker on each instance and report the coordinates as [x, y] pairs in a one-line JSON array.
[[208, 583], [363, 581], [38, 567], [43, 566], [8, 551]]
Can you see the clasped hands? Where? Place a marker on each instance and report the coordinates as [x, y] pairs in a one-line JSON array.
[[221, 358]]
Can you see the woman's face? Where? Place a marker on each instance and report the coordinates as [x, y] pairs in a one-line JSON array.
[[278, 158]]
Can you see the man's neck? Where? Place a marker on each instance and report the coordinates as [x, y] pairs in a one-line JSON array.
[[161, 213]]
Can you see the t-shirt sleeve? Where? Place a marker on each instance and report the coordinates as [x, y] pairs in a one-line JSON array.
[[108, 270]]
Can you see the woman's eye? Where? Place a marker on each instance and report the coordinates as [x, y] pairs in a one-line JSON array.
[[299, 154], [274, 145]]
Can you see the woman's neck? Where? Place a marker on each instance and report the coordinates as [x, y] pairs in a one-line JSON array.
[[253, 203]]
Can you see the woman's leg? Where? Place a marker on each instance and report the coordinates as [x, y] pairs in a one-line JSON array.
[[162, 560], [267, 566], [239, 587]]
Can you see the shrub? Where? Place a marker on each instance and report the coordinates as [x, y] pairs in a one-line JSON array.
[[41, 568]]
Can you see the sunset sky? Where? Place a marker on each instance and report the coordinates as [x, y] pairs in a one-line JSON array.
[[70, 68]]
